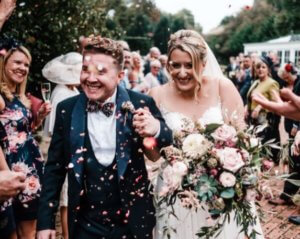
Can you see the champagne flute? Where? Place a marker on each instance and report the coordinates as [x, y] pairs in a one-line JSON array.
[[46, 91]]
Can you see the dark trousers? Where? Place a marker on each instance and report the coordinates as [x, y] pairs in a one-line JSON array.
[[116, 233], [290, 189]]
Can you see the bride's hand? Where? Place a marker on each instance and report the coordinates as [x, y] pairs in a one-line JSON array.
[[144, 123]]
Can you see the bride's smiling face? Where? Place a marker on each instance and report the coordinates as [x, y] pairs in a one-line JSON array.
[[180, 67]]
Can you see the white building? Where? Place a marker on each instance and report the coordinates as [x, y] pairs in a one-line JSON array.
[[287, 48]]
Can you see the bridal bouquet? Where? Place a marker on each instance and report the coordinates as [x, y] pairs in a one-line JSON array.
[[216, 166]]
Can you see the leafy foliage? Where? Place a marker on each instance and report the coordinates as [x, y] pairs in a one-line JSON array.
[[53, 27], [267, 19]]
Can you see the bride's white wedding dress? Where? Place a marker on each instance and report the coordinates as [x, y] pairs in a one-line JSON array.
[[188, 222]]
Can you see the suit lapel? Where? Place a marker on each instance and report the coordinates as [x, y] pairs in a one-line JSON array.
[[123, 132], [77, 135]]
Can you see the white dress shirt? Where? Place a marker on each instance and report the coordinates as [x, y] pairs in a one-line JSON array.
[[102, 133]]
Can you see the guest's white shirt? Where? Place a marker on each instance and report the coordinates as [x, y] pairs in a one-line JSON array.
[[102, 133], [151, 80]]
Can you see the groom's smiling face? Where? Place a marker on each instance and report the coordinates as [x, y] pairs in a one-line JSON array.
[[99, 76]]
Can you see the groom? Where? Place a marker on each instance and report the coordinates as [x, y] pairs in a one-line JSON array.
[[100, 146]]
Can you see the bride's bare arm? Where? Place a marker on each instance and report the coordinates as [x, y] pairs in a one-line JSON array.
[[232, 104]]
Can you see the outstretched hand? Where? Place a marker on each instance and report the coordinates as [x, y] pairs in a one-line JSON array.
[[144, 123], [286, 94], [273, 106], [6, 8]]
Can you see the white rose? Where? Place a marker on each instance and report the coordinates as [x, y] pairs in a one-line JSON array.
[[230, 159], [227, 179], [180, 168], [170, 178], [195, 145]]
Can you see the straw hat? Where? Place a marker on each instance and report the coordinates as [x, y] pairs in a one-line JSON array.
[[64, 69]]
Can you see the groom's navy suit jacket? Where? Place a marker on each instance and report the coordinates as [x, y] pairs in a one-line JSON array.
[[66, 153]]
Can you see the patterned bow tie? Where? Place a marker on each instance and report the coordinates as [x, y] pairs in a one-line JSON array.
[[95, 106]]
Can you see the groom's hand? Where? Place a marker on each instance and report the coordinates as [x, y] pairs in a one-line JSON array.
[[46, 234], [144, 123]]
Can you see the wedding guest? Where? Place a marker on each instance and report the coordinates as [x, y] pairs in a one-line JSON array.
[[257, 115], [22, 152], [98, 141], [231, 69], [64, 71], [290, 109], [153, 54], [163, 75], [127, 64], [246, 79], [11, 184], [151, 79], [275, 64], [289, 75], [136, 75]]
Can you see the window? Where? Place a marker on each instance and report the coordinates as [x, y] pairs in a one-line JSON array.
[[286, 56], [279, 54], [297, 58]]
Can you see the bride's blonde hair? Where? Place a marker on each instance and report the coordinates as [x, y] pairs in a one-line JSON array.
[[193, 43], [4, 81]]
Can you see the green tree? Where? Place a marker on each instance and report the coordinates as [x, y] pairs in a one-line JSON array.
[[162, 34], [139, 34]]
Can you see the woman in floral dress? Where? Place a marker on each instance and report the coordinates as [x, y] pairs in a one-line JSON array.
[[21, 151]]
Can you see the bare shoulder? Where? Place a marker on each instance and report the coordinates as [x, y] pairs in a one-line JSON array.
[[226, 87], [157, 92], [225, 83]]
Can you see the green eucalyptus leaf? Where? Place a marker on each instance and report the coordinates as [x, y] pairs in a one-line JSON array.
[[227, 193]]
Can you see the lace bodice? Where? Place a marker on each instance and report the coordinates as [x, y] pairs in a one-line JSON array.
[[175, 120]]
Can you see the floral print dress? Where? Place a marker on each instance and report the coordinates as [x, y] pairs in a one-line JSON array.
[[22, 152]]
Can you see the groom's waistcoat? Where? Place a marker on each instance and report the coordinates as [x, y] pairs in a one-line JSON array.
[[101, 212]]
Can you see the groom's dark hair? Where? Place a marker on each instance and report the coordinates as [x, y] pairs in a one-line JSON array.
[[106, 46]]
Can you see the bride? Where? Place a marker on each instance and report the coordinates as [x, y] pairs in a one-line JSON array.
[[197, 91]]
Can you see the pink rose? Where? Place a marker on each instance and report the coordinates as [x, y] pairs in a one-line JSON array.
[[226, 134], [227, 179], [32, 185], [20, 167], [230, 159], [250, 195], [267, 164]]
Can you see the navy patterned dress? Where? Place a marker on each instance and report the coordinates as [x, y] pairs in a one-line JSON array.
[[22, 155]]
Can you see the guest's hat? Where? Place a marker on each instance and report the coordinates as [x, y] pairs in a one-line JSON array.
[[64, 69]]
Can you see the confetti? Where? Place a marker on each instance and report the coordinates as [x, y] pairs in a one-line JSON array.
[[71, 165], [149, 142]]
